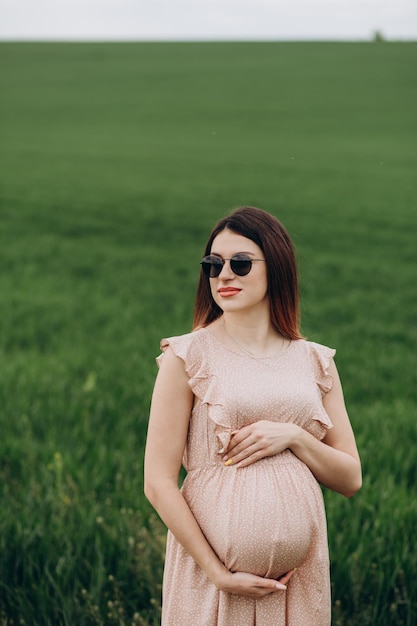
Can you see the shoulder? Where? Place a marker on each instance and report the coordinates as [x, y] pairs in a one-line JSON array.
[[320, 359], [316, 350], [189, 347], [182, 344]]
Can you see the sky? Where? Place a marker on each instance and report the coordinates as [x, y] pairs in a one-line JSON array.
[[207, 19]]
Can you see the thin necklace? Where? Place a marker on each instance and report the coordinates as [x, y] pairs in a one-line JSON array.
[[246, 350]]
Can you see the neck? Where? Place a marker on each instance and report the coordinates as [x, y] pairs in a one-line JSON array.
[[257, 328], [258, 338]]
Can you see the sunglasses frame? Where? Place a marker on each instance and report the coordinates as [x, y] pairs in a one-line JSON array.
[[219, 264]]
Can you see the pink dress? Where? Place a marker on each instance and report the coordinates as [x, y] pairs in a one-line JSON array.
[[266, 518]]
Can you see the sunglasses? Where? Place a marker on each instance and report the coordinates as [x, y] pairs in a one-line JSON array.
[[241, 264]]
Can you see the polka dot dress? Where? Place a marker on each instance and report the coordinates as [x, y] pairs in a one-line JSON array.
[[266, 518]]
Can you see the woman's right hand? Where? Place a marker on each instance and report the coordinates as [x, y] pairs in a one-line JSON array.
[[251, 586]]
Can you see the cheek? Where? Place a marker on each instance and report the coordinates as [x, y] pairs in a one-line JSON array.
[[264, 283], [263, 289], [213, 290]]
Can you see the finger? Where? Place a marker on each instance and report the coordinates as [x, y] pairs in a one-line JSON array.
[[280, 586], [257, 586], [243, 456], [254, 453], [253, 458], [269, 585], [287, 577], [242, 446], [275, 585], [238, 438]]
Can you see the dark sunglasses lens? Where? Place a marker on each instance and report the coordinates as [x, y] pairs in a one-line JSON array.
[[211, 266], [241, 267]]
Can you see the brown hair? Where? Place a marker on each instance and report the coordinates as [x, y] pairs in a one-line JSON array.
[[270, 235]]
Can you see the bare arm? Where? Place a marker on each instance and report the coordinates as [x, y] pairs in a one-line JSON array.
[[167, 433], [334, 461]]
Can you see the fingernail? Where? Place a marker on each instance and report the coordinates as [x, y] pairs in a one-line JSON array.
[[221, 451], [229, 462], [281, 586]]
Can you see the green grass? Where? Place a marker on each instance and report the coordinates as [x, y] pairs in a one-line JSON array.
[[116, 159]]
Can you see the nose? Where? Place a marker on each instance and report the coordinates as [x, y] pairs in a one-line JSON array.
[[227, 271]]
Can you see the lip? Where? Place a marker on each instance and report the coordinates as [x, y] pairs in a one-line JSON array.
[[226, 292]]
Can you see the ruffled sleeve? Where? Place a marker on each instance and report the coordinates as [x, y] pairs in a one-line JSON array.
[[191, 349], [321, 358], [182, 347], [194, 350]]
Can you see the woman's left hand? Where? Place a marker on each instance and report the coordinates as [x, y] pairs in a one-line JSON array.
[[258, 440]]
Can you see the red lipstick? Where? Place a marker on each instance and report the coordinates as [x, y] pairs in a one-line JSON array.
[[226, 292]]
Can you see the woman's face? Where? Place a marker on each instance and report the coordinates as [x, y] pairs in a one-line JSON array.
[[234, 293]]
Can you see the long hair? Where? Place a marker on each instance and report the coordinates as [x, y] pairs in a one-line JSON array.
[[270, 235]]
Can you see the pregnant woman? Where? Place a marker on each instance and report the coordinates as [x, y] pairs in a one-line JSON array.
[[256, 415]]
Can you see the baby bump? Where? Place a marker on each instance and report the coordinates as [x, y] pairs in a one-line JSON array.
[[261, 519]]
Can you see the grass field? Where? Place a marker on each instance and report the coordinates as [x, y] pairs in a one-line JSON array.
[[116, 159]]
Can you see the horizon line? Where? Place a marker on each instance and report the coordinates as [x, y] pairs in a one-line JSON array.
[[373, 39]]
